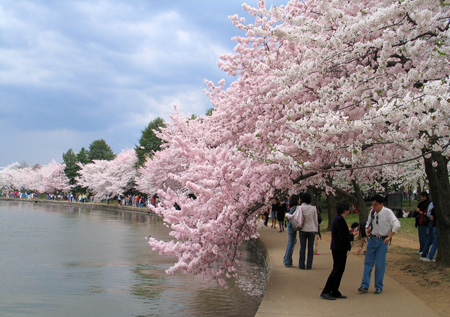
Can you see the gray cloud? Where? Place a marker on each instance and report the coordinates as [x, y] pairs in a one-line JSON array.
[[75, 71]]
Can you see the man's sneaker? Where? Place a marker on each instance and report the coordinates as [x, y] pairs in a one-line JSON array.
[[378, 291], [363, 289], [432, 260], [425, 259]]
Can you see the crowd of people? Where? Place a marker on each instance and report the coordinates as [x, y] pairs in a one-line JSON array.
[[376, 233], [131, 200]]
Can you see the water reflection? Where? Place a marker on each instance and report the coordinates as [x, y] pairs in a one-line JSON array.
[[88, 261]]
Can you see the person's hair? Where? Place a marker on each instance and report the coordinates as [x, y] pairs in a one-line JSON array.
[[378, 198], [305, 198], [342, 206], [425, 194], [354, 225], [293, 201]]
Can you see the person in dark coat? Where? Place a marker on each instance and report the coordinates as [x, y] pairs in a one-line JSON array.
[[341, 238], [422, 220]]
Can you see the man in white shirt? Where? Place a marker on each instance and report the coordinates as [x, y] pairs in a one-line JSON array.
[[380, 227]]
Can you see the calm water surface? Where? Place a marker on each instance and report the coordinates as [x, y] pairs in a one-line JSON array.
[[89, 261]]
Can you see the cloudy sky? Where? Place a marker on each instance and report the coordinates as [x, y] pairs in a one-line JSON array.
[[75, 71]]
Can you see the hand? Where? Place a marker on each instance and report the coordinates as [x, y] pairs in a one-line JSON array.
[[386, 241], [359, 250]]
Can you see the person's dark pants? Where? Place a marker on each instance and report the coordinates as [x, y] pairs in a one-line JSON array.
[[423, 233], [334, 280], [306, 237], [266, 218], [428, 240]]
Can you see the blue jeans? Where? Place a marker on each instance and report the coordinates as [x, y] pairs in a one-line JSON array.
[[423, 232], [306, 237], [433, 244], [428, 240], [375, 255], [292, 239]]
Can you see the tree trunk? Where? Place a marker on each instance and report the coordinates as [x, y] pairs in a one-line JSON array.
[[331, 206], [438, 180], [357, 200], [360, 205]]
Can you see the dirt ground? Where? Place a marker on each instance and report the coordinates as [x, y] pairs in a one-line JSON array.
[[427, 280]]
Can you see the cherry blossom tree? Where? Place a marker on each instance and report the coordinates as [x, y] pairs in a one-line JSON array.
[[53, 178], [107, 179], [8, 176], [50, 178], [323, 88]]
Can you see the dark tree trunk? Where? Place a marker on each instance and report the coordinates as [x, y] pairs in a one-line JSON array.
[[360, 205], [357, 200], [438, 179], [331, 206]]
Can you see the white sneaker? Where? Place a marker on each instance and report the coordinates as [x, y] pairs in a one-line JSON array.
[[425, 259], [432, 260]]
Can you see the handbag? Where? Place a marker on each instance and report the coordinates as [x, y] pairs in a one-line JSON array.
[[296, 218]]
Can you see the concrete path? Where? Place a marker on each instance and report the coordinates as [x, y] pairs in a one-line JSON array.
[[295, 292]]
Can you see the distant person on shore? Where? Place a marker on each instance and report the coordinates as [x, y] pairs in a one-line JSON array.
[[308, 231], [381, 226], [294, 202], [341, 238]]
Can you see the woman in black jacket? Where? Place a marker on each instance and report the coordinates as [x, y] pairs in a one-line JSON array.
[[341, 238]]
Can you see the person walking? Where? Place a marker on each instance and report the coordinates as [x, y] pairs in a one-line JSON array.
[[341, 238], [380, 227], [294, 202], [281, 212], [273, 213], [308, 231]]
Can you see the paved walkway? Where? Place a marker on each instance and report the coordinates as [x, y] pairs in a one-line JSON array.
[[295, 292]]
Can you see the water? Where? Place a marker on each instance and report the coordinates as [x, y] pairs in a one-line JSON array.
[[89, 261]]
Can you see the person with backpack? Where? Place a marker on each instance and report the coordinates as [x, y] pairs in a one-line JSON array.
[[381, 225]]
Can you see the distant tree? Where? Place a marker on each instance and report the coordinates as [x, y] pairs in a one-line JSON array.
[[107, 179], [99, 150], [209, 112], [149, 141], [53, 178], [83, 156], [24, 164], [71, 170]]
